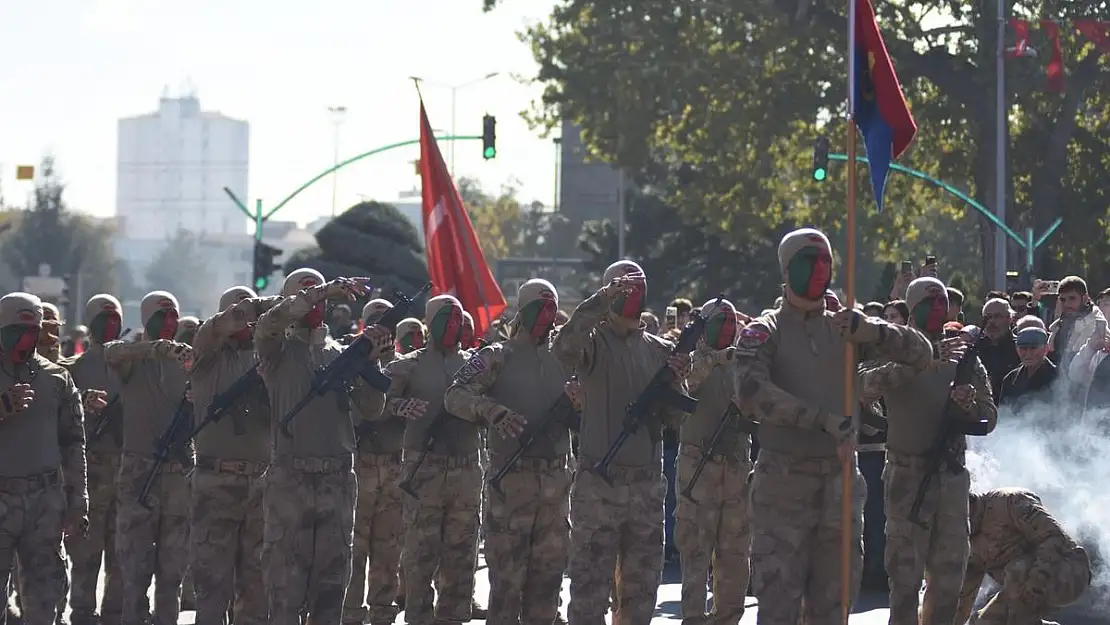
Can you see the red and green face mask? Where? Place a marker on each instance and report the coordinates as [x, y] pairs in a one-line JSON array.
[[105, 327], [630, 305], [720, 330], [411, 342], [18, 342], [446, 327], [809, 273], [162, 325], [538, 317], [930, 313], [466, 339]]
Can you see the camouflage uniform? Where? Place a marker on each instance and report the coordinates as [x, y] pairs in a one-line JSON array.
[[379, 531], [617, 528], [154, 540], [227, 485], [310, 487], [1018, 543], [937, 548], [90, 371], [526, 532], [186, 331], [441, 527], [714, 527], [792, 379], [43, 485]]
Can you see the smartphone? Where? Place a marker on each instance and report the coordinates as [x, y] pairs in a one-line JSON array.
[[907, 267], [930, 260], [671, 317], [1051, 287]]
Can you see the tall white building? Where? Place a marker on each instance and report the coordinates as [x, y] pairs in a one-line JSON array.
[[173, 166]]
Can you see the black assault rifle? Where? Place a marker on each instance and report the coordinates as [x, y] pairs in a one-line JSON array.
[[658, 391], [339, 374], [731, 418], [955, 424], [108, 413], [561, 412], [173, 440], [224, 400], [426, 445]]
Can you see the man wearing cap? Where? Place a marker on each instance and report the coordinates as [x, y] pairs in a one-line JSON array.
[[526, 526], [378, 516], [232, 454], [934, 545], [792, 374], [187, 328], [102, 315], [310, 490], [43, 488], [616, 525], [151, 540], [186, 331], [412, 335], [441, 526], [713, 526], [1034, 377]]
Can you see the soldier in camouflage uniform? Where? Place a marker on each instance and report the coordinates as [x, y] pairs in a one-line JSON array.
[[526, 528], [378, 517], [152, 540], [186, 330], [411, 336], [232, 455], [43, 488], [714, 526], [617, 526], [90, 372], [791, 378], [310, 486], [935, 545], [1023, 548], [441, 527]]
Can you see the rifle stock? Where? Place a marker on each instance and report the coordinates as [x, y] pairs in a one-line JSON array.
[[731, 417], [426, 445], [170, 440], [559, 412], [224, 400]]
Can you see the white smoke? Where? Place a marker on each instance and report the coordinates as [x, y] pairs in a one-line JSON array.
[[1062, 455]]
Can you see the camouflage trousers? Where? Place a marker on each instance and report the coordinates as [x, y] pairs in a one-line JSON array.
[[152, 542], [1033, 586], [32, 512], [227, 542], [714, 528], [19, 583], [936, 552], [379, 533], [306, 551], [796, 538], [527, 536], [441, 538], [616, 551], [86, 555]]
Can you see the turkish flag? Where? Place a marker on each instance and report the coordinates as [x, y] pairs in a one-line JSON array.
[[456, 264]]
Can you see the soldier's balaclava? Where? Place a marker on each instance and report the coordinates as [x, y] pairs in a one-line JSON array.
[[160, 314], [720, 323], [374, 310], [805, 259], [231, 297], [628, 305], [445, 320], [298, 281], [466, 339], [187, 329], [537, 304], [927, 300], [104, 316], [51, 333], [410, 335], [20, 324]]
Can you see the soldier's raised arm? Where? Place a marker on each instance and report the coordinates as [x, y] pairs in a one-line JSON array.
[[466, 397], [879, 378], [880, 340], [1037, 526], [120, 354], [369, 400], [396, 404], [232, 319], [703, 361], [574, 344]]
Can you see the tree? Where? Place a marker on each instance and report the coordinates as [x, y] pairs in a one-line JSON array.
[[181, 269], [47, 233], [370, 239], [726, 97]]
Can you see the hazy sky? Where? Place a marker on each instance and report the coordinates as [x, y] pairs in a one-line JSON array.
[[72, 68]]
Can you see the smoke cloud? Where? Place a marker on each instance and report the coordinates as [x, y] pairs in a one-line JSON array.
[[1063, 455]]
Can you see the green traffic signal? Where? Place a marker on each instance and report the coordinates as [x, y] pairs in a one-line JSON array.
[[819, 174], [260, 283], [490, 152]]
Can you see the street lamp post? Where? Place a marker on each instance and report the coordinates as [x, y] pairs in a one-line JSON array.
[[338, 113], [454, 100]]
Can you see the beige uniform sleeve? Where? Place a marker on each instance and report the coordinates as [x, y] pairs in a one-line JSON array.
[[672, 417], [702, 362], [574, 344], [466, 397], [984, 407], [903, 345], [399, 371], [878, 379], [222, 325], [369, 401], [71, 442], [755, 391], [120, 356], [1037, 525], [269, 332]]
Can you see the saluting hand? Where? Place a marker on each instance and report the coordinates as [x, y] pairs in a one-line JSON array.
[[347, 288], [963, 396], [381, 341], [622, 285]]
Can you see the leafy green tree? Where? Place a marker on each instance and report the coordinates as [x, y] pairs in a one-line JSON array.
[[181, 269]]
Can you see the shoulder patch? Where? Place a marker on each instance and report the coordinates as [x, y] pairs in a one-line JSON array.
[[473, 367], [753, 336]]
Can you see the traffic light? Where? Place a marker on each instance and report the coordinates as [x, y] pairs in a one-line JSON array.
[[264, 265], [821, 158], [489, 137]]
